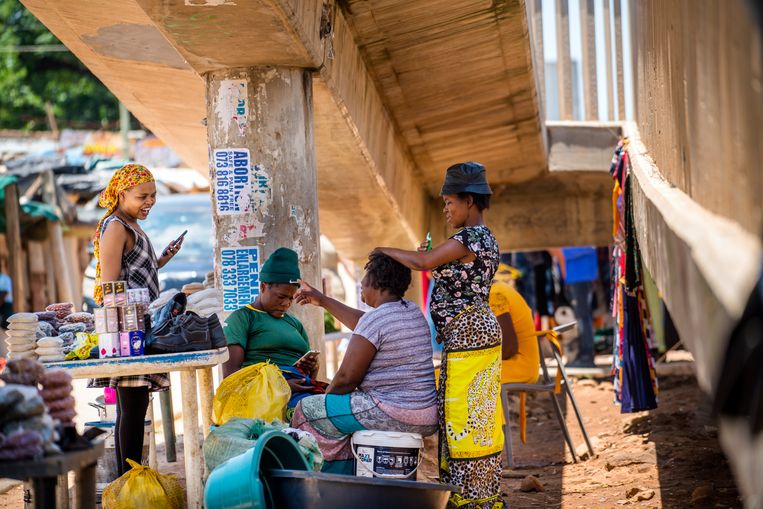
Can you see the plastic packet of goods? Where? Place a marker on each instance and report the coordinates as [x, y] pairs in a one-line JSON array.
[[61, 309], [68, 337], [23, 318], [43, 424], [23, 372], [80, 317], [73, 327], [18, 340], [51, 350], [21, 347], [84, 343], [29, 405], [47, 316], [15, 356], [50, 342], [45, 329]]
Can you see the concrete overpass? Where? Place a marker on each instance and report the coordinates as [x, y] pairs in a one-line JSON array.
[[401, 90]]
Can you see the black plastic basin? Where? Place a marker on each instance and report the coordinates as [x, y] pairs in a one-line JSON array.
[[297, 489]]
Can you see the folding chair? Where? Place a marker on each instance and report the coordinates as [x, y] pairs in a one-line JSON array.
[[545, 384]]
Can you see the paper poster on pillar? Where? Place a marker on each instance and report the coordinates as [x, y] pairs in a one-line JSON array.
[[232, 105], [240, 276]]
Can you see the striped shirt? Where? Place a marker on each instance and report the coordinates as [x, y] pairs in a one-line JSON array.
[[401, 373]]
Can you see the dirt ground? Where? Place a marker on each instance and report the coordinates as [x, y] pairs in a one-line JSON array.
[[666, 458]]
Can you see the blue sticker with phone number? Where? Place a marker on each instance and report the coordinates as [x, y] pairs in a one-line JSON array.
[[240, 276], [232, 180]]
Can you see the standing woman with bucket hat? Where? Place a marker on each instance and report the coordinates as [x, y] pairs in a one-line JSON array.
[[471, 438], [123, 252]]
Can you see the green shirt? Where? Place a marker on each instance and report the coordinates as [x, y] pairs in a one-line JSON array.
[[266, 338]]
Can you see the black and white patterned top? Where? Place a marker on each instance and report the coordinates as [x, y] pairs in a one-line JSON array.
[[140, 270], [459, 286], [140, 267]]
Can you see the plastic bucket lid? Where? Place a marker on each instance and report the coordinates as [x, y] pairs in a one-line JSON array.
[[110, 424], [388, 439], [237, 482]]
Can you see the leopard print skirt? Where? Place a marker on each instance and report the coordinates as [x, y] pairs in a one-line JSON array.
[[479, 479]]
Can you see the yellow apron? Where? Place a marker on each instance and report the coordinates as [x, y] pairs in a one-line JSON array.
[[472, 403]]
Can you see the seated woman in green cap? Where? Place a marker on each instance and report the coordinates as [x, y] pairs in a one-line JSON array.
[[263, 331]]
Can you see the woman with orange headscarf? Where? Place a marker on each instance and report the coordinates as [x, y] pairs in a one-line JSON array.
[[124, 253]]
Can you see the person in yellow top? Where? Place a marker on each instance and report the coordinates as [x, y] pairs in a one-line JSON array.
[[521, 359]]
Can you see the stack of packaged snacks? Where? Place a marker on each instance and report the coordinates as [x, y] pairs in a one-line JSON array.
[[80, 318], [26, 428], [57, 394], [50, 349], [141, 298], [45, 329], [48, 320], [61, 309], [22, 336], [120, 324]]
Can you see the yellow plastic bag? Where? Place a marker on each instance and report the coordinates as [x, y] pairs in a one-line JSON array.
[[84, 344], [143, 487], [258, 391]]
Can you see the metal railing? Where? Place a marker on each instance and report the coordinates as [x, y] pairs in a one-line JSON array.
[[582, 58]]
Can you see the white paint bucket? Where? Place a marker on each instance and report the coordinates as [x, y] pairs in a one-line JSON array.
[[387, 454]]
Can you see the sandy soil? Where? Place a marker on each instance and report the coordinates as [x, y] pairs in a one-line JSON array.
[[666, 458]]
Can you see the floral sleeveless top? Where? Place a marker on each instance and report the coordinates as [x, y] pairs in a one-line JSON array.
[[458, 285]]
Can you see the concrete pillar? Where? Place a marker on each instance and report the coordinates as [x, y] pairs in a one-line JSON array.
[[262, 170]]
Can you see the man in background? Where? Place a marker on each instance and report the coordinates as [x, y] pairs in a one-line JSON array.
[[580, 268]]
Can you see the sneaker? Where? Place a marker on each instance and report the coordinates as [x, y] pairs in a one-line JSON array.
[[216, 332]]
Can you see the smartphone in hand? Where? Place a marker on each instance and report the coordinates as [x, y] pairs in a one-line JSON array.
[[312, 354], [175, 242]]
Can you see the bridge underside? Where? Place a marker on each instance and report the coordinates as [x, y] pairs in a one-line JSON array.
[[401, 91]]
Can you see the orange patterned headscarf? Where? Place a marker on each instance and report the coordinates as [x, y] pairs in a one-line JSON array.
[[127, 177]]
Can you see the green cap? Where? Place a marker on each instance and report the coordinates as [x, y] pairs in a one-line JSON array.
[[281, 267]]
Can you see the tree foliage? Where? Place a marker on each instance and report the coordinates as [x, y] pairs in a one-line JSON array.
[[29, 80]]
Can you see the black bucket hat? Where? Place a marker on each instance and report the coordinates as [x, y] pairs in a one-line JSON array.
[[465, 178]]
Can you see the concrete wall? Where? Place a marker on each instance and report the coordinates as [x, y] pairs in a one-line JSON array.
[[700, 101], [696, 155]]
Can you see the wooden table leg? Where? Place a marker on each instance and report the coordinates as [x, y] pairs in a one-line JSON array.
[[44, 496], [191, 443], [168, 425], [153, 462], [85, 480], [206, 393], [62, 492]]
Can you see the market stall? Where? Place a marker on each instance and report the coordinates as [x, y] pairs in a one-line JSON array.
[[192, 366], [118, 340]]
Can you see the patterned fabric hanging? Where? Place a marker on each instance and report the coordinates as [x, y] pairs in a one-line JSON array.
[[635, 379]]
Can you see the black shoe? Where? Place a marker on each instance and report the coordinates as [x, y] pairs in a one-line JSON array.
[[216, 332], [185, 333]]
